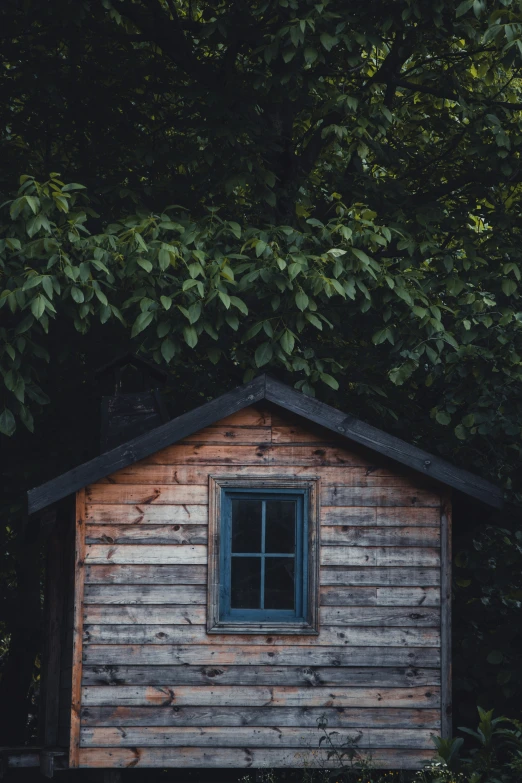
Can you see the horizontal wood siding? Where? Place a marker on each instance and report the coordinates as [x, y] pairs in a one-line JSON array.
[[149, 665]]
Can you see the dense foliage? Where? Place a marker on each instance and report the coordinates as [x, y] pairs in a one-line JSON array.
[[330, 191]]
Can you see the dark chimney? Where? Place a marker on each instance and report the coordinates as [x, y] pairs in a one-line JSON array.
[[136, 405]]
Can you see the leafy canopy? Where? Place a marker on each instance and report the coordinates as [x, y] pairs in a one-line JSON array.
[[347, 181]]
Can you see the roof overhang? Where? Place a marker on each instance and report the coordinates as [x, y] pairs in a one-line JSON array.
[[264, 388]]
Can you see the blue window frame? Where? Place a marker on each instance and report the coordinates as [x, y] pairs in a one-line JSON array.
[[263, 555]]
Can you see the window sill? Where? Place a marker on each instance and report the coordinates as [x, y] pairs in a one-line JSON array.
[[281, 629]]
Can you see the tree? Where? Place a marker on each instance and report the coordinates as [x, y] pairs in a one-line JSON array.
[[348, 190]]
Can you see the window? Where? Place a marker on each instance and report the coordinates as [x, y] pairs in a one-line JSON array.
[[263, 555]]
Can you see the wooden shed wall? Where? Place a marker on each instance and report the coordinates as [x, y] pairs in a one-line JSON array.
[[157, 690]]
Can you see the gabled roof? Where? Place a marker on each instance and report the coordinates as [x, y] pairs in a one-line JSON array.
[[263, 388]]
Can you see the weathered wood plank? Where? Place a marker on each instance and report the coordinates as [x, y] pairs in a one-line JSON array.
[[77, 657], [197, 574], [245, 736], [258, 696], [231, 435], [141, 473], [376, 556], [146, 534], [146, 574], [196, 634], [367, 616], [147, 494], [380, 596], [134, 553], [145, 594], [379, 516], [379, 496], [343, 535], [253, 416], [238, 758], [186, 514], [380, 616], [401, 577], [283, 432], [306, 677], [263, 654], [338, 717], [263, 454], [145, 615]]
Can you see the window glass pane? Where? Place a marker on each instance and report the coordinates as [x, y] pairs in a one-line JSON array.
[[279, 583], [280, 526], [246, 525], [246, 583]]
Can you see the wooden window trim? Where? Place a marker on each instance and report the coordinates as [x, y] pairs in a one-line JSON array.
[[258, 483]]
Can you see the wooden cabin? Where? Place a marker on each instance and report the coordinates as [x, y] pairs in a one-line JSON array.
[[240, 573]]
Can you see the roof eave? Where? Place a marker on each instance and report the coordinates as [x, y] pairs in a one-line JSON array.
[[264, 387]]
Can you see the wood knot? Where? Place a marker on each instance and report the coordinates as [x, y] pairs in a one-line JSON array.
[[210, 672]]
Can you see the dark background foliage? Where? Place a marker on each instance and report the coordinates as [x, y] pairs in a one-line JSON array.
[[329, 191]]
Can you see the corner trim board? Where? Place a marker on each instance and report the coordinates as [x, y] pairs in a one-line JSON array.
[[445, 606]]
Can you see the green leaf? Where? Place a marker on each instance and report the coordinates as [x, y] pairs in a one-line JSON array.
[[47, 284], [361, 255], [38, 307], [163, 259], [191, 336], [72, 186], [301, 300], [495, 657], [314, 320], [224, 298], [232, 320], [400, 374], [382, 335], [7, 423], [27, 418], [260, 247], [146, 265], [141, 323], [464, 7], [101, 297], [310, 55], [287, 341], [329, 380], [168, 349], [33, 202], [236, 229], [328, 41], [32, 282], [263, 354], [25, 324], [460, 432], [241, 306], [194, 312], [166, 301], [442, 417], [509, 287]]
